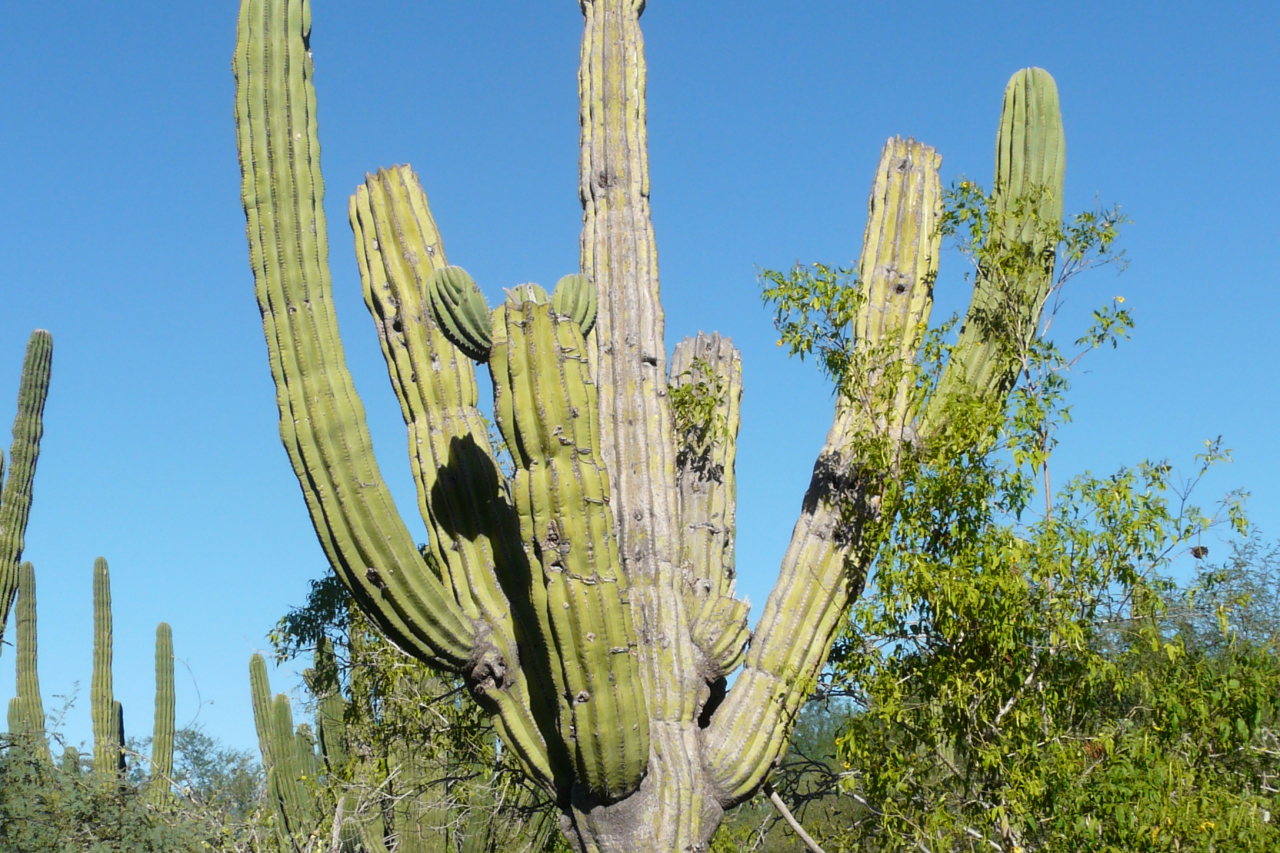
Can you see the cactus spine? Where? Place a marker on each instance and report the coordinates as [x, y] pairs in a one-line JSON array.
[[162, 738], [15, 499], [590, 607], [108, 716]]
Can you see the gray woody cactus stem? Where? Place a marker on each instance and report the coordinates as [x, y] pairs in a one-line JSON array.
[[589, 603]]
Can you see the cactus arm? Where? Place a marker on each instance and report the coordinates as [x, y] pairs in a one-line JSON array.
[[15, 500], [474, 532], [162, 736], [708, 504], [118, 713], [322, 419], [546, 404], [619, 254], [28, 703], [106, 724], [825, 565], [1030, 161]]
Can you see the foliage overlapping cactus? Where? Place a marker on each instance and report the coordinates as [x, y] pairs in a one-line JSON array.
[[589, 602], [15, 499]]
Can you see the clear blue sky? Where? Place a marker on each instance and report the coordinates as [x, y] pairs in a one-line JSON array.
[[122, 233]]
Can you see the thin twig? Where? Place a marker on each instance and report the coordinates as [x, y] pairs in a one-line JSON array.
[[791, 819]]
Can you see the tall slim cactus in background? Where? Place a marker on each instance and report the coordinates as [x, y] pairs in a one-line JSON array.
[[26, 710], [589, 603], [162, 738], [107, 713], [288, 756], [15, 499]]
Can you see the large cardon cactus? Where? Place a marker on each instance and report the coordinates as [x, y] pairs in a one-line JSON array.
[[589, 601]]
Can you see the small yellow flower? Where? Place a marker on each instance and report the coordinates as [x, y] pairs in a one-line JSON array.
[[1120, 299]]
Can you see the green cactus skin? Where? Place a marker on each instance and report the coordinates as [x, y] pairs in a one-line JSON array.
[[107, 747], [461, 312], [708, 501], [15, 500], [1030, 159], [159, 790], [321, 418], [575, 297], [748, 734], [545, 404]]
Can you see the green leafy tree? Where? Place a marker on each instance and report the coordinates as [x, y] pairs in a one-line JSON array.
[[1026, 677]]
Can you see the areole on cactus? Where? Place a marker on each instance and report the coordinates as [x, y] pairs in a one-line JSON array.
[[589, 602]]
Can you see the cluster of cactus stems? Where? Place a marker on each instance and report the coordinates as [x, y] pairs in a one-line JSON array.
[[589, 601], [26, 710], [375, 806]]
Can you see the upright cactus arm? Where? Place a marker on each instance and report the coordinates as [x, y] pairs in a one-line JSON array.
[[545, 403], [322, 419], [710, 364], [15, 499], [107, 720], [619, 254], [1005, 311], [836, 536], [30, 706], [159, 791], [474, 532]]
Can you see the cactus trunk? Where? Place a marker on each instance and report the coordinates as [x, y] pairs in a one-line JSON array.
[[26, 710], [108, 718], [162, 737]]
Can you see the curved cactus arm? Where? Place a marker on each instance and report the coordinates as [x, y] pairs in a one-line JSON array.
[[1005, 312], [835, 538], [102, 705], [474, 532], [710, 364], [28, 704], [322, 419], [15, 500], [159, 790], [545, 403]]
